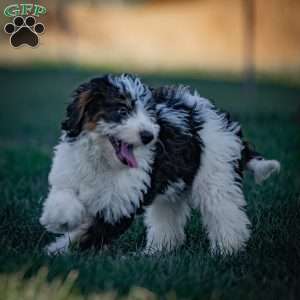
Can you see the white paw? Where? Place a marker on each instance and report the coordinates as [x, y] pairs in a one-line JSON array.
[[62, 218], [149, 251], [165, 244], [230, 242], [59, 246]]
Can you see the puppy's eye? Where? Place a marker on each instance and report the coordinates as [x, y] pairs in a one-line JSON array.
[[122, 112]]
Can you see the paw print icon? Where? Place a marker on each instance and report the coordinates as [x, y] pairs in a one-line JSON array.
[[24, 31]]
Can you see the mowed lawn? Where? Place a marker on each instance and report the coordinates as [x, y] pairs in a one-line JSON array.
[[32, 104]]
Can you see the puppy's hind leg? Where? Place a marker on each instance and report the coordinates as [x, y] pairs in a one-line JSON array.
[[165, 221], [217, 192], [224, 217]]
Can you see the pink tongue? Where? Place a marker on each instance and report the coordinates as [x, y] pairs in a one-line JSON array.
[[126, 152]]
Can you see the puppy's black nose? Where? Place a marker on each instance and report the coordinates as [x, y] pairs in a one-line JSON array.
[[146, 137]]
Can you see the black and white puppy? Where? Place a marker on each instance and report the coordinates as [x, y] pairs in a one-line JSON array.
[[127, 149]]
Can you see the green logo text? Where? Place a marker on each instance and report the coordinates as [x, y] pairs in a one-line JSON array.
[[24, 9]]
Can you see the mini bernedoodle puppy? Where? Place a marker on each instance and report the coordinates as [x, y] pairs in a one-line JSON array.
[[128, 149]]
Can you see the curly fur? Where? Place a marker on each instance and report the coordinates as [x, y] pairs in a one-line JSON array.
[[195, 159]]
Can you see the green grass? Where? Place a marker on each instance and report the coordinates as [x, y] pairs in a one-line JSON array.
[[15, 287], [32, 104]]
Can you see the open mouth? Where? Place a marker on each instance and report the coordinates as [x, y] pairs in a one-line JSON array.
[[124, 152]]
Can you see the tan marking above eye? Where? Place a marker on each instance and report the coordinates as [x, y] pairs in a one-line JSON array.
[[90, 125], [84, 99]]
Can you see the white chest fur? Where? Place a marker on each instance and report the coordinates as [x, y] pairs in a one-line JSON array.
[[102, 184]]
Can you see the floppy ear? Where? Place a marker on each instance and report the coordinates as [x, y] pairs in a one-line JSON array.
[[73, 123]]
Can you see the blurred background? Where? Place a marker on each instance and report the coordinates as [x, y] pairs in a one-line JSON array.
[[231, 36]]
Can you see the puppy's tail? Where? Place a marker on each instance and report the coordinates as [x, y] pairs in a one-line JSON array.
[[260, 167]]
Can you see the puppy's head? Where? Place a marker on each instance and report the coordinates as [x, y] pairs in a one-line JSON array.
[[118, 109]]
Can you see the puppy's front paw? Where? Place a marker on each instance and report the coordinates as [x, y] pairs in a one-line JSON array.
[[60, 246], [60, 217], [61, 221]]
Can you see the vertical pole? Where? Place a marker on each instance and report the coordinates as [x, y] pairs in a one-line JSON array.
[[249, 44]]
